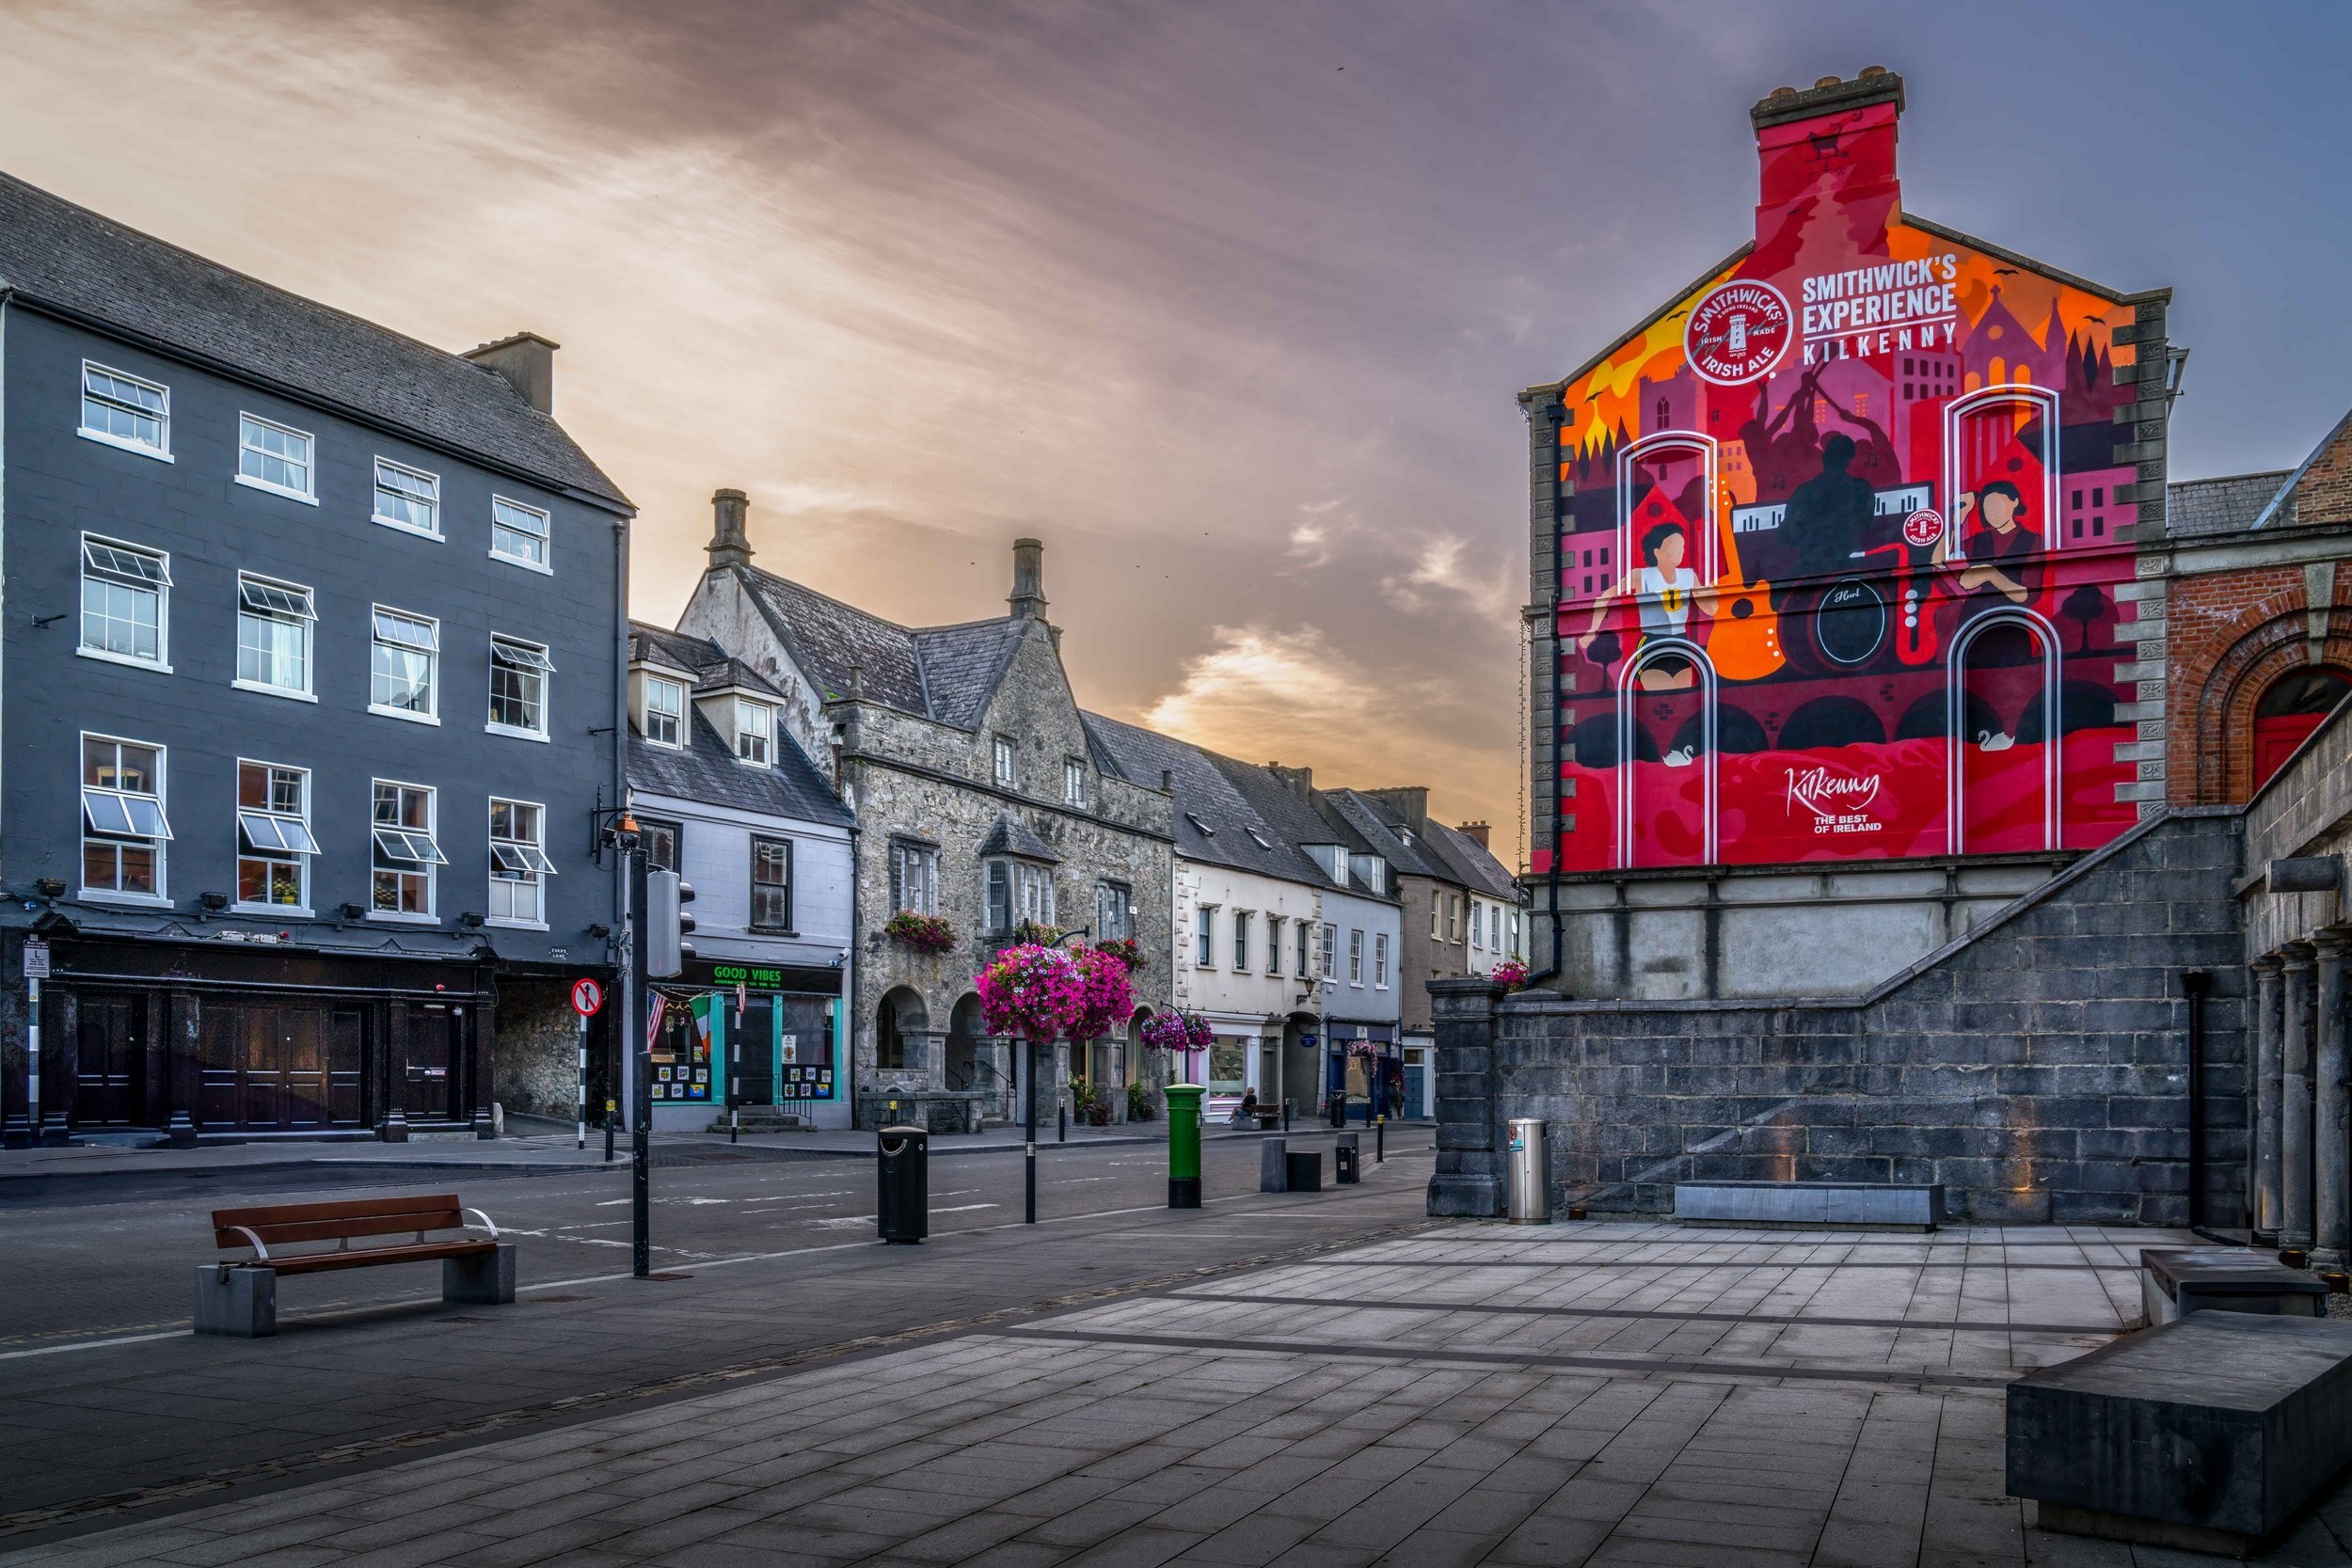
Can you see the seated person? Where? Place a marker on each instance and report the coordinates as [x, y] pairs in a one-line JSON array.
[[1247, 1111]]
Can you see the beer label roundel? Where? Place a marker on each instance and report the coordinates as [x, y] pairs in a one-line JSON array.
[[1738, 332]]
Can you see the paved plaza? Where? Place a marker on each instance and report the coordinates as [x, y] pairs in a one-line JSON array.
[[1447, 1393]]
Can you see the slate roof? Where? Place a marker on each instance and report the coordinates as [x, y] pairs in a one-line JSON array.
[[1012, 837], [1435, 850], [2226, 505], [946, 673], [706, 768], [81, 265], [1477, 865], [1228, 812], [711, 665]]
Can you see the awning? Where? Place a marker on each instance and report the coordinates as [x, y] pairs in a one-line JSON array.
[[135, 567]]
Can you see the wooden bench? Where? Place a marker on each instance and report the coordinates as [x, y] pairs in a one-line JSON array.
[[240, 1296]]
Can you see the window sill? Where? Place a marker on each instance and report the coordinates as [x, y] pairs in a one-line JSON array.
[[395, 917], [751, 762], [540, 567], [268, 489], [513, 733], [268, 690], [504, 923], [772, 931], [127, 660], [137, 448], [274, 911], [138, 900], [403, 713], [410, 529]]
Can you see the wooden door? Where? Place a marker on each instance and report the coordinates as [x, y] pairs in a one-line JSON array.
[[429, 1079], [110, 1058]]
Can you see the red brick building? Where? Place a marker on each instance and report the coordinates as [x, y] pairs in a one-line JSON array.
[[2248, 595]]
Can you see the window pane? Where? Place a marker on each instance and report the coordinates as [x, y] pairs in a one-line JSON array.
[[518, 532], [408, 497]]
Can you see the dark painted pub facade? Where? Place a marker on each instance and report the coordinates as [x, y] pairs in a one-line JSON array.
[[310, 698]]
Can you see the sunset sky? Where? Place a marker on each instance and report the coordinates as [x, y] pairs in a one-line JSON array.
[[1225, 302]]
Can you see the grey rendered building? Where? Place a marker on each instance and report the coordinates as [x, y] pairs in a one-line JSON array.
[[979, 799], [310, 692], [753, 1027]]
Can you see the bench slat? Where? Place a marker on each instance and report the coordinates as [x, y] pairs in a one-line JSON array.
[[359, 1258], [325, 1222]]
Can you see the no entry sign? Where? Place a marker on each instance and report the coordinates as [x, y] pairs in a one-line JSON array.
[[587, 996]]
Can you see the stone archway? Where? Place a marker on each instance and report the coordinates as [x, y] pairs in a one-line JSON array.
[[902, 1033], [2274, 640], [970, 1066]]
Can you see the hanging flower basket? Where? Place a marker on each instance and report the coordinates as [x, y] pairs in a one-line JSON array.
[[1127, 950], [1177, 1031], [1511, 975], [1363, 1047], [1043, 993], [1031, 934], [927, 933]]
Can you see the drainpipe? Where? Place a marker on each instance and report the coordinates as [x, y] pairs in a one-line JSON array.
[[2195, 986]]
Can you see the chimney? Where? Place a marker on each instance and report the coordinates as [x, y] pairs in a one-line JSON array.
[[1409, 802], [1477, 832], [527, 361], [1301, 781], [729, 545], [1830, 147], [1028, 580]]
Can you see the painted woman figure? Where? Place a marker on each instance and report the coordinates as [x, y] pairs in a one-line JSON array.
[[1662, 593]]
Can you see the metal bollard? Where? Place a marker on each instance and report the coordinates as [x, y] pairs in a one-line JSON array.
[[1380, 1141], [1183, 1145]]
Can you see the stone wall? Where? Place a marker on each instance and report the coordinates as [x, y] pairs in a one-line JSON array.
[[2037, 1067], [534, 1052]]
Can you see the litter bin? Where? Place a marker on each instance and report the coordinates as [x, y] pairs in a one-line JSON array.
[[1346, 1169], [1530, 1172], [1302, 1170], [1339, 1109], [902, 1203]]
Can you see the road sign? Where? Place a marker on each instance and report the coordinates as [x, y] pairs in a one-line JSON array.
[[36, 959], [587, 996]]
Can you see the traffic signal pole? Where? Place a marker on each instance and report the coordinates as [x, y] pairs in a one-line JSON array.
[[639, 1055]]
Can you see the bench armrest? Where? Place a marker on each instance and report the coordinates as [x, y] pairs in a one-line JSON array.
[[261, 1253], [486, 1222]]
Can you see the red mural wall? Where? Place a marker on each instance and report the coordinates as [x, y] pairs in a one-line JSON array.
[[1837, 572]]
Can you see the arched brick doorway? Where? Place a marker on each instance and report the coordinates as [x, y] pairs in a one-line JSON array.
[[2289, 709]]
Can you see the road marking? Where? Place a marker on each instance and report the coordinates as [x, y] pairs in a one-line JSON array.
[[965, 1208]]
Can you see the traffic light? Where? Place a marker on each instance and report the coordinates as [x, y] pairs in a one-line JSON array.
[[667, 922]]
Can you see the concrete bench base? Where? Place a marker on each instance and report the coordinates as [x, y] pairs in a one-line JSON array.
[[1809, 1205], [241, 1299], [2176, 1281], [1273, 1168], [2208, 1433]]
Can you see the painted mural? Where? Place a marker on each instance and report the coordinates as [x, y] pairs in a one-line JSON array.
[[1839, 569]]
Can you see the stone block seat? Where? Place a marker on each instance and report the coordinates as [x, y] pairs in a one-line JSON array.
[[2206, 1434], [1809, 1205], [2176, 1281]]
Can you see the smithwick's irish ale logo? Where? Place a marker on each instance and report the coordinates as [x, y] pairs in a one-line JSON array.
[[1840, 802], [1738, 332]]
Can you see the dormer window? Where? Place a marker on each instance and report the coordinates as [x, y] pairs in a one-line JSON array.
[[755, 731], [665, 711]]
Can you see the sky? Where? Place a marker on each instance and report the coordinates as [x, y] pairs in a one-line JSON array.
[[1227, 303]]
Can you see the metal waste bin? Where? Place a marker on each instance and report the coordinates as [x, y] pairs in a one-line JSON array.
[[902, 1204], [1530, 1172], [1347, 1170]]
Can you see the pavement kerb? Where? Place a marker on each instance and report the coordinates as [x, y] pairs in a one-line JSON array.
[[522, 1163], [44, 1526]]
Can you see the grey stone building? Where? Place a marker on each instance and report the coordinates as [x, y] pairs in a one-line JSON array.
[[311, 693], [979, 800], [752, 1027]]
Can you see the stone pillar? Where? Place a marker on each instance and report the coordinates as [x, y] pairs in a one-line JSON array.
[[2294, 1099], [2265, 1076], [1468, 1175], [2331, 1117]]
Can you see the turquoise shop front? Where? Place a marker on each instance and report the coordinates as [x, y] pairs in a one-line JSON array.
[[762, 1038]]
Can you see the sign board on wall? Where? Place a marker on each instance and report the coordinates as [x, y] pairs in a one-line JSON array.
[[1842, 532]]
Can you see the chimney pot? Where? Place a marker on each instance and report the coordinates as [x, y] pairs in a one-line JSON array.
[[1829, 81], [524, 361], [1478, 832], [729, 545], [1028, 580]]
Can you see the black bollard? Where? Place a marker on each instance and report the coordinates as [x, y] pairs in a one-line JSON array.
[[1380, 1141]]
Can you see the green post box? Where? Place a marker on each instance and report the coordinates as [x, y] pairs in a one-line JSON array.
[[1183, 1145]]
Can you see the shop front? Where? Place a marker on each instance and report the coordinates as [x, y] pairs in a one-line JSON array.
[[763, 1040], [251, 1039], [1365, 1066]]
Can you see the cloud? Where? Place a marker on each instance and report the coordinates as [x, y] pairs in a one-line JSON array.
[[1449, 577]]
